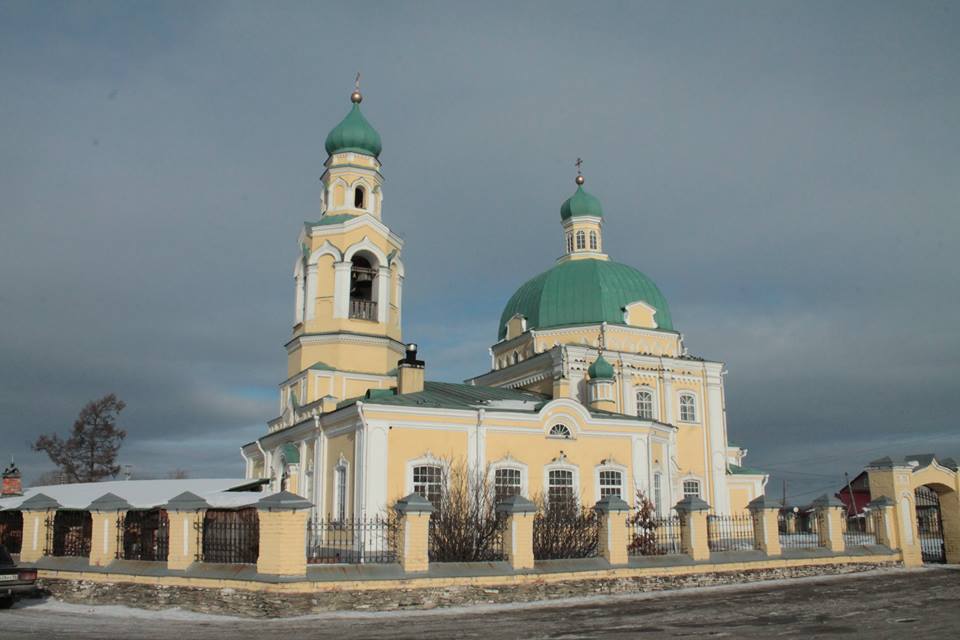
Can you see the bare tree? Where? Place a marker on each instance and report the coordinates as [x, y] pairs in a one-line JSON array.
[[643, 523], [178, 474], [90, 453], [564, 529], [465, 527], [48, 478]]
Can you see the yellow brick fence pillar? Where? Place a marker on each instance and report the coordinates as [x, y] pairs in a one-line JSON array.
[[693, 527], [283, 534], [894, 480], [518, 531], [766, 525], [613, 512], [886, 522], [413, 543], [104, 513], [185, 517], [38, 510], [830, 513]]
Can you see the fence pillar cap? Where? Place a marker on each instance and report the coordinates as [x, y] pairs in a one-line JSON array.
[[283, 501], [611, 504], [882, 501], [39, 502], [826, 501], [692, 503], [763, 502], [186, 501], [516, 504], [414, 503], [109, 502]]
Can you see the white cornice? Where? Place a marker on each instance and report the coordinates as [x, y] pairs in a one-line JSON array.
[[356, 222]]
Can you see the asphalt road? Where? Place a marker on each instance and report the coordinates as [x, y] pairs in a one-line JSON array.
[[914, 604]]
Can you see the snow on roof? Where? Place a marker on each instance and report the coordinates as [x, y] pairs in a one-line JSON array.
[[145, 494]]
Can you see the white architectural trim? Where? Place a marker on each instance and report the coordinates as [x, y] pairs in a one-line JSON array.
[[612, 465], [561, 464], [509, 462], [365, 245], [326, 249], [426, 460]]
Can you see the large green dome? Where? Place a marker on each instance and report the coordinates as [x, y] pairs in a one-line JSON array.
[[581, 203], [354, 133], [584, 292]]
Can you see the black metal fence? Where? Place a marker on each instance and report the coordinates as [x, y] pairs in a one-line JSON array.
[[566, 530], [352, 541], [658, 537], [797, 530], [69, 533], [11, 530], [229, 536], [858, 530], [731, 532], [481, 541], [143, 535]]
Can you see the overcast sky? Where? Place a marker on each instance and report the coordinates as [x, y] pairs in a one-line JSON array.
[[788, 173]]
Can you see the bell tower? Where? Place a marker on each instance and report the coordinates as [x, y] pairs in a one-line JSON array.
[[348, 277]]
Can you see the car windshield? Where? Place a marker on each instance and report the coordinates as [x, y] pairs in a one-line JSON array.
[[4, 556]]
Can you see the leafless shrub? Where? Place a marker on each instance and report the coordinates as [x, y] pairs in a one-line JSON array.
[[465, 526], [565, 529]]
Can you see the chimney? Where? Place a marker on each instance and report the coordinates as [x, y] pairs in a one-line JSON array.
[[410, 372], [12, 484]]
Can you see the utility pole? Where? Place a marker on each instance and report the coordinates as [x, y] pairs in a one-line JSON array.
[[783, 502], [853, 502]]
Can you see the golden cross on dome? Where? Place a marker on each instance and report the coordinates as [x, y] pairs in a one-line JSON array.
[[579, 162], [356, 83]]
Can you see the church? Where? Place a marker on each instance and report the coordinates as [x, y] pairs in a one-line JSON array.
[[591, 391]]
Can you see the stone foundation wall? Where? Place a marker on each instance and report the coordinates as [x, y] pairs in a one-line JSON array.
[[260, 604]]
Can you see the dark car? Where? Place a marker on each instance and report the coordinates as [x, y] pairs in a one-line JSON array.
[[15, 582]]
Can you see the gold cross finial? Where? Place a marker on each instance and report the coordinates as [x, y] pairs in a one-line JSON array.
[[356, 97], [356, 83], [579, 162]]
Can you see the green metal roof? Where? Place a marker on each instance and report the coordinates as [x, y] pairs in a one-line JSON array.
[[335, 219], [744, 471], [354, 133], [581, 203], [291, 453], [600, 369], [584, 292], [449, 395]]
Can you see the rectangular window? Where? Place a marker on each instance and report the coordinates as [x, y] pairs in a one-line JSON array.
[[340, 491], [657, 490], [506, 483], [427, 482], [688, 408], [691, 488], [645, 405], [560, 486], [610, 484]]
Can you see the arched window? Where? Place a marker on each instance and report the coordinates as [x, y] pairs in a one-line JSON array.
[[427, 481], [657, 492], [362, 277], [691, 488], [688, 407], [560, 485], [506, 483], [611, 483], [559, 431], [340, 493], [645, 404], [359, 199], [569, 243], [593, 240], [581, 240]]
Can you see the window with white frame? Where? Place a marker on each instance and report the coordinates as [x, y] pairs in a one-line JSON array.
[[658, 492], [340, 493], [611, 483], [506, 483], [569, 243], [688, 407], [560, 431], [691, 488], [593, 240], [427, 481], [581, 240], [645, 404], [560, 485]]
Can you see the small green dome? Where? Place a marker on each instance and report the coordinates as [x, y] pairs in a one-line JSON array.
[[581, 203], [600, 369], [354, 133], [587, 291]]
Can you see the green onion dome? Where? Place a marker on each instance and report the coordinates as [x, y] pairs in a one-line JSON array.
[[355, 134], [580, 203], [588, 291], [600, 369]]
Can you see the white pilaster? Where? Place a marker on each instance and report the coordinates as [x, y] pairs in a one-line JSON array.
[[718, 445], [383, 294], [311, 302], [341, 289]]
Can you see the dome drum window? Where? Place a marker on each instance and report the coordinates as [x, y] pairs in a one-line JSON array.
[[359, 198], [581, 240]]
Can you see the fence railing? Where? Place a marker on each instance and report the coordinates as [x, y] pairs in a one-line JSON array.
[[463, 542], [857, 531], [352, 541], [566, 531], [69, 533], [797, 530], [658, 537], [363, 309], [11, 530], [229, 536], [143, 535], [731, 532]]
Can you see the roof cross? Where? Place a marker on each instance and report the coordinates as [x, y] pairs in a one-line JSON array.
[[356, 83], [578, 163]]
